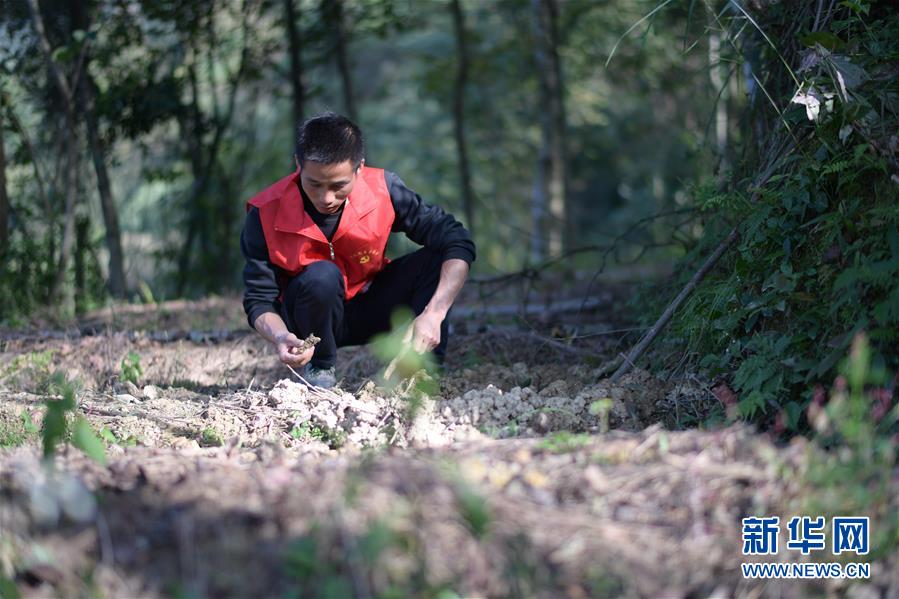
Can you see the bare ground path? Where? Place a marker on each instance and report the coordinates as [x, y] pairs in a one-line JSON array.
[[225, 478]]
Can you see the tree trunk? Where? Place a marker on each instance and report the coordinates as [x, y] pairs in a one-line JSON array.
[[82, 230], [86, 95], [107, 202], [32, 154], [191, 132], [4, 198], [296, 61], [333, 15], [459, 112], [59, 290], [550, 202], [203, 157], [719, 87]]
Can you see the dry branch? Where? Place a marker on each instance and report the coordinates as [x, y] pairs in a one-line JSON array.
[[663, 320], [779, 154]]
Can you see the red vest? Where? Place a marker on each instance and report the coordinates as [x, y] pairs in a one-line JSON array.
[[295, 241]]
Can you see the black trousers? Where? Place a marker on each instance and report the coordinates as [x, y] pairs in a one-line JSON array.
[[314, 303]]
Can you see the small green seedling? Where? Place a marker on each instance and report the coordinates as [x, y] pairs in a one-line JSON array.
[[131, 370], [210, 438], [601, 408], [56, 424]]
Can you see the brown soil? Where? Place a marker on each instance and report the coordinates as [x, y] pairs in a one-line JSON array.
[[226, 476]]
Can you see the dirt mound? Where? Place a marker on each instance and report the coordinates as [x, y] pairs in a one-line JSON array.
[[390, 520], [297, 416], [526, 400], [611, 515], [513, 477]]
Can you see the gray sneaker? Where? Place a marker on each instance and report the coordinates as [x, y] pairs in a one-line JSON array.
[[320, 377]]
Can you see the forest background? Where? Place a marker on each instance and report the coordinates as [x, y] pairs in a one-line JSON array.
[[566, 134]]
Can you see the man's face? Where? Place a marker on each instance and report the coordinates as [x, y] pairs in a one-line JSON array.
[[328, 185]]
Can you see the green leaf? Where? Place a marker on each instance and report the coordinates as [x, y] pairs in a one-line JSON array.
[[851, 74], [28, 423], [108, 436], [792, 412], [856, 6], [847, 278], [87, 441], [474, 510], [708, 360], [887, 311], [750, 322], [54, 428], [859, 363], [839, 349], [893, 238], [8, 588], [823, 38], [302, 558]]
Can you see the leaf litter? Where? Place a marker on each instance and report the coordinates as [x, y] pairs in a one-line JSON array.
[[506, 480]]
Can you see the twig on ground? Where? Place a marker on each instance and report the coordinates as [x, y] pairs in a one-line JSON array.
[[699, 275], [534, 336], [663, 320]]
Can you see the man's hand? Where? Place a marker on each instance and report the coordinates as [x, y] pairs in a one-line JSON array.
[[290, 350], [424, 334]]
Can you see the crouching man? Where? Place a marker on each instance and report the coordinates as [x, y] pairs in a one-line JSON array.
[[314, 246]]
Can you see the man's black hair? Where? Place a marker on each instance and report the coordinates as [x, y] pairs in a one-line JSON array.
[[330, 138]]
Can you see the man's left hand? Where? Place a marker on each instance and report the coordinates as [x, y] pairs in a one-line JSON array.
[[425, 331]]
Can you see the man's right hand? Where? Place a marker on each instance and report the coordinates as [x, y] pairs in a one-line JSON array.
[[289, 352]]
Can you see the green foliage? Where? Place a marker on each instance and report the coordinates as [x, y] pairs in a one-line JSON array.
[[209, 437], [300, 560], [601, 408], [856, 449], [407, 371], [500, 432], [186, 157], [28, 424], [17, 432], [130, 368], [818, 253], [110, 438], [85, 439], [8, 588], [306, 431], [564, 442], [56, 421], [55, 425], [29, 266], [329, 561], [31, 371], [27, 271], [321, 569], [602, 583], [395, 347], [474, 510]]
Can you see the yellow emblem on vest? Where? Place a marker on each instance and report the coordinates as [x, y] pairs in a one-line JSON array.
[[365, 256]]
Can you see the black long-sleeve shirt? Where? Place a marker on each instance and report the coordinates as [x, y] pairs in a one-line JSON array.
[[424, 224]]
